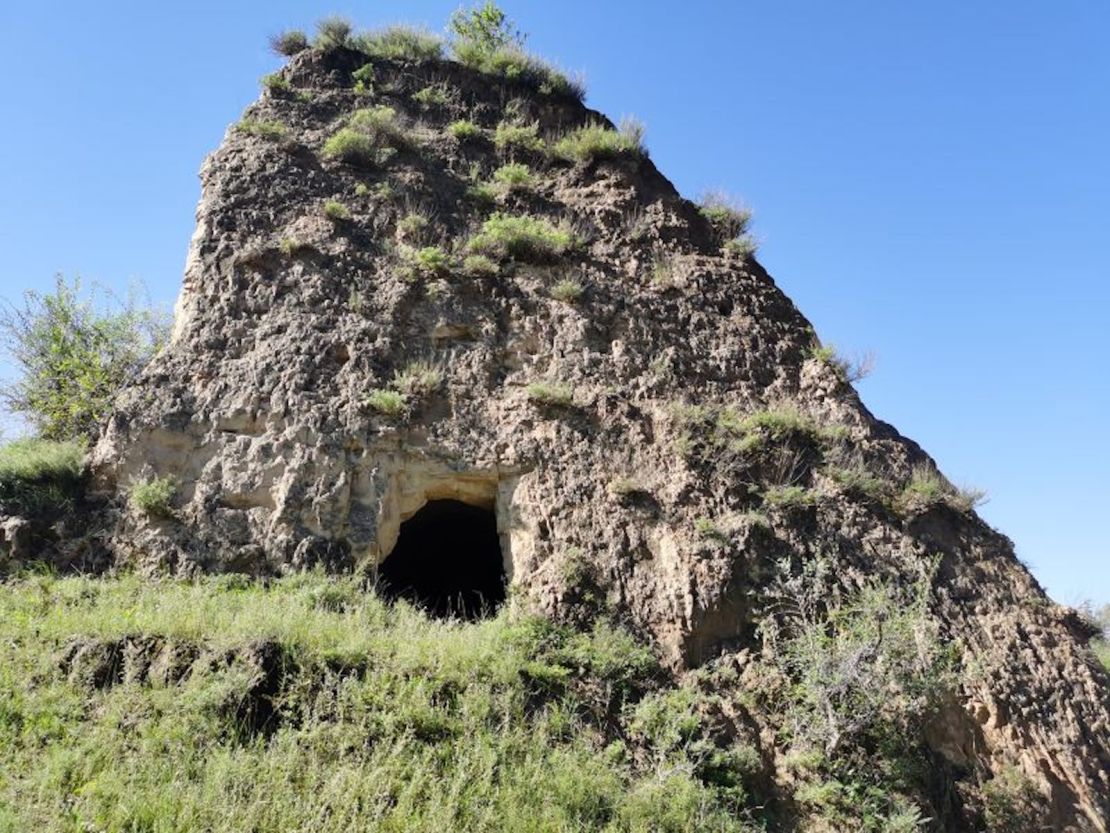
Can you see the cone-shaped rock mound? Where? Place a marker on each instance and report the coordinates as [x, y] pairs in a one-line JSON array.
[[425, 306]]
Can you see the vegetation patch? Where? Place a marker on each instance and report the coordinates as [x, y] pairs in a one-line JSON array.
[[434, 95], [403, 44], [524, 238], [271, 131], [40, 477], [595, 141], [289, 43], [567, 290], [418, 379], [387, 402], [511, 135], [730, 223], [429, 261], [550, 393], [153, 496], [369, 135], [514, 177], [336, 211], [927, 487], [332, 33], [464, 130], [480, 266]]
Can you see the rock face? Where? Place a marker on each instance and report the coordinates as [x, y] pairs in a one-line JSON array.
[[691, 436]]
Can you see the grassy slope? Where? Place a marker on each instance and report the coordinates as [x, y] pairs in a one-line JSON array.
[[504, 725]]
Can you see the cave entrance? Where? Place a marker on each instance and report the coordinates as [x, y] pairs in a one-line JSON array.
[[448, 561]]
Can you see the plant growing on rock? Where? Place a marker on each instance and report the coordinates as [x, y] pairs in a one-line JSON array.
[[336, 211], [480, 266], [273, 131], [434, 95], [729, 221], [514, 177], [511, 135], [289, 43], [404, 44], [368, 134], [464, 130], [595, 141], [430, 261], [524, 238], [418, 379], [39, 477], [567, 290], [550, 393], [333, 33], [387, 402], [154, 496], [926, 487]]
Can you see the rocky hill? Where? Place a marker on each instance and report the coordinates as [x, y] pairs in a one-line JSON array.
[[445, 329]]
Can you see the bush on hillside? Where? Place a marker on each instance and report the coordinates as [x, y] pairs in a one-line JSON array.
[[74, 350], [523, 238]]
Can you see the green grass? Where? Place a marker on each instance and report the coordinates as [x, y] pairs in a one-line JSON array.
[[434, 95], [332, 33], [428, 262], [464, 130], [369, 132], [418, 379], [289, 43], [273, 131], [336, 211], [523, 238], [387, 402], [513, 64], [480, 266], [514, 177], [550, 393], [404, 44], [567, 290], [382, 719], [926, 487], [153, 496], [510, 135], [596, 141], [39, 476]]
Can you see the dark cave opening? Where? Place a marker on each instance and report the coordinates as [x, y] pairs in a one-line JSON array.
[[447, 561]]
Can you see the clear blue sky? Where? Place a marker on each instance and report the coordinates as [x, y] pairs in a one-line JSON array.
[[931, 181]]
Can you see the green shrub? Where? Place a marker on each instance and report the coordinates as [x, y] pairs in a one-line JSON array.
[[273, 131], [729, 222], [428, 262], [401, 43], [289, 43], [849, 370], [513, 64], [291, 246], [484, 29], [351, 147], [333, 33], [276, 83], [523, 238], [364, 78], [482, 193], [595, 141], [74, 350], [368, 133], [514, 177], [927, 487], [789, 496], [434, 95], [336, 211], [39, 477], [480, 266], [362, 190], [1012, 803], [550, 393], [418, 379], [567, 290], [707, 528], [154, 496], [386, 402], [464, 130], [510, 135], [413, 226]]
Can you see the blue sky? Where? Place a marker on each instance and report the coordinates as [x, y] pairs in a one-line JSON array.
[[931, 181]]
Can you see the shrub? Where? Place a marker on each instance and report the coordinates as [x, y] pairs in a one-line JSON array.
[[482, 193], [291, 246], [789, 496], [480, 266], [708, 529], [742, 247], [926, 487], [418, 379], [528, 239], [432, 96], [728, 219], [849, 370], [74, 351], [336, 211], [402, 44], [513, 64], [595, 141], [368, 133], [514, 177], [484, 29], [276, 83], [364, 78], [39, 477], [154, 496], [464, 130], [429, 261], [362, 190], [386, 402], [333, 33], [273, 131], [1012, 803], [289, 43], [550, 393], [412, 226], [567, 290], [513, 136], [352, 147]]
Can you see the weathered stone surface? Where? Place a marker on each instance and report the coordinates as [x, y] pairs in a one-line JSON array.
[[257, 409]]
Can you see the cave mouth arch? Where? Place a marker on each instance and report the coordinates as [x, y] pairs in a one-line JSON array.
[[447, 561]]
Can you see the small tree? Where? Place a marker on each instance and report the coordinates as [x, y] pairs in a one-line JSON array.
[[485, 28], [74, 351]]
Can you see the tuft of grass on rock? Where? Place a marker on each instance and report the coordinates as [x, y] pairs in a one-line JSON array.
[[567, 290], [524, 238], [336, 211], [511, 135], [480, 266], [289, 43], [464, 130], [369, 133], [927, 487], [386, 402], [514, 177], [789, 496], [427, 262], [273, 131], [153, 496], [595, 141], [333, 33], [434, 95], [403, 44], [550, 393], [513, 64], [418, 379]]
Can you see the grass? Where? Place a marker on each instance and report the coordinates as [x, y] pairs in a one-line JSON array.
[[387, 402], [567, 290], [480, 266], [153, 496], [403, 44], [369, 132], [333, 33], [926, 487], [39, 476], [464, 130], [511, 135], [550, 393], [418, 379], [523, 238], [434, 95], [429, 262], [514, 177], [730, 222], [412, 226], [336, 211], [382, 719], [513, 64], [789, 496], [595, 141], [364, 78], [273, 131], [289, 43], [352, 147], [291, 246]]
